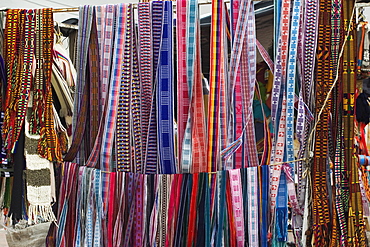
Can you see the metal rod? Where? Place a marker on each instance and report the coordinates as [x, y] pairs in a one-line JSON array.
[[76, 9]]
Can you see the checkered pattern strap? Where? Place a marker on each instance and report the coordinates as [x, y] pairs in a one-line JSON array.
[[114, 86], [182, 85]]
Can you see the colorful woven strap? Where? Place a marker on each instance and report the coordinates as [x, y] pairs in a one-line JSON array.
[[164, 95], [307, 60], [182, 82], [48, 146], [280, 61], [238, 209], [146, 76], [252, 187], [151, 155], [123, 125], [356, 230], [85, 15], [107, 24], [95, 80], [249, 72], [190, 44], [320, 208], [217, 26], [38, 91], [114, 85]]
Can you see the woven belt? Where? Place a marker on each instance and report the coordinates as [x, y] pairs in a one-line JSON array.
[[95, 79], [217, 26], [307, 58], [164, 95], [151, 149], [85, 15], [114, 85], [182, 85], [107, 24], [123, 125], [190, 45], [356, 231], [237, 205], [38, 84], [145, 54], [320, 209]]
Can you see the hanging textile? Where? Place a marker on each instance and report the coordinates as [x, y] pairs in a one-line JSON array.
[[148, 171]]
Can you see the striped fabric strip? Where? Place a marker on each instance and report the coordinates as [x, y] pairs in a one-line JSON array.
[[164, 94], [191, 234], [99, 19], [138, 231], [290, 84], [182, 85], [174, 198], [48, 145], [248, 90], [151, 156], [199, 133], [214, 84], [65, 197], [146, 76], [89, 191], [356, 227], [237, 204], [130, 205], [224, 107], [26, 75], [107, 25], [118, 218], [79, 207], [95, 79], [280, 61], [98, 208], [337, 236], [37, 91], [190, 53], [238, 106], [238, 41], [109, 125], [220, 205], [320, 206], [85, 15], [278, 157], [164, 204], [123, 124], [153, 225], [10, 35], [309, 41], [252, 187], [108, 241], [265, 56], [136, 101]]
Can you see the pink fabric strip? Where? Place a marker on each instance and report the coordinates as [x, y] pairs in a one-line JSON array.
[[237, 205], [265, 56], [111, 208], [199, 135], [182, 85], [277, 157], [250, 87]]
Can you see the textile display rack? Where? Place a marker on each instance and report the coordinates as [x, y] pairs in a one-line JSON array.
[[152, 131]]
